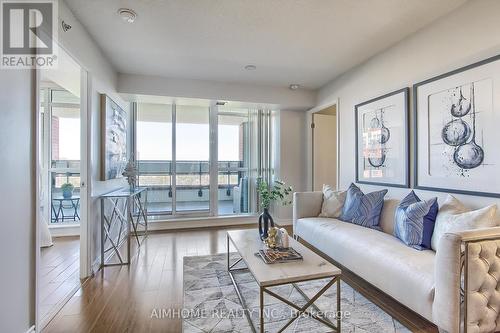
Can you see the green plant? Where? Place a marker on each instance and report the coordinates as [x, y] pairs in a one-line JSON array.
[[67, 187], [278, 192]]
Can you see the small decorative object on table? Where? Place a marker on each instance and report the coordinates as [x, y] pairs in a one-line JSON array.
[[131, 172], [277, 192], [283, 238], [277, 238], [67, 190], [273, 256], [272, 240]]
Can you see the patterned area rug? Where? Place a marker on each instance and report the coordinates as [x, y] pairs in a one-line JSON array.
[[212, 305]]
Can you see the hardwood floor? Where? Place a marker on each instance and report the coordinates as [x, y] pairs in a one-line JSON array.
[[59, 274], [122, 298]]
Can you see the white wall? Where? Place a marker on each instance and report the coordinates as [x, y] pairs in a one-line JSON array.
[[17, 201], [291, 162], [466, 35], [102, 79]]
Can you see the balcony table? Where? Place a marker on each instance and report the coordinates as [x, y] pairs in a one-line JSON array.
[[59, 212]]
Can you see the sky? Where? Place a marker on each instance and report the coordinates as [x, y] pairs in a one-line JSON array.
[[154, 141], [69, 138]]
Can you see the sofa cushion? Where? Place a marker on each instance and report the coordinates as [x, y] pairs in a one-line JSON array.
[[363, 209], [454, 216], [333, 202], [381, 259], [414, 221]]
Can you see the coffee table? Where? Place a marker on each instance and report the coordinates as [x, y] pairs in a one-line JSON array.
[[312, 267]]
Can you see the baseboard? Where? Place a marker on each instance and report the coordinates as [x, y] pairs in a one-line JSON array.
[[31, 329], [201, 223], [284, 222], [64, 230]]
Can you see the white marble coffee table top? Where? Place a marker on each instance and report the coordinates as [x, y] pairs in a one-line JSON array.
[[247, 243]]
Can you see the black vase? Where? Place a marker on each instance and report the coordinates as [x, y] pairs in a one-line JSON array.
[[265, 222]]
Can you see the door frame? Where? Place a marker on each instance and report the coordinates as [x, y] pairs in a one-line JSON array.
[[85, 185], [310, 139]]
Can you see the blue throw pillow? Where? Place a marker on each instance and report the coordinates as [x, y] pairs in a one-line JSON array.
[[414, 221], [363, 209]]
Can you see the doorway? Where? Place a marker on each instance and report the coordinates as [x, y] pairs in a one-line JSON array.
[[62, 188], [324, 159]]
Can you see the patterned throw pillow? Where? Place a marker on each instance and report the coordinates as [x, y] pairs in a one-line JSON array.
[[363, 209], [414, 221], [333, 201]]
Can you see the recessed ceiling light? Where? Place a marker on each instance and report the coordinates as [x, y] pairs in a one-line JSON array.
[[294, 86], [250, 67], [128, 15]]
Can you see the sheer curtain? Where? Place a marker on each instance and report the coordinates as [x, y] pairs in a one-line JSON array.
[[263, 126]]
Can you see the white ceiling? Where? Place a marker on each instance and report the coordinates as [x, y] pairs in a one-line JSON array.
[[309, 42]]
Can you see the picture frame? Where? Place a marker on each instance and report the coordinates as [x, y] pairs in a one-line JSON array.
[[113, 139], [383, 140], [456, 116]]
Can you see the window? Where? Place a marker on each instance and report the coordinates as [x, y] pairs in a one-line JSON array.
[[198, 160]]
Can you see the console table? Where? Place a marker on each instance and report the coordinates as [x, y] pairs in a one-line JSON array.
[[128, 212]]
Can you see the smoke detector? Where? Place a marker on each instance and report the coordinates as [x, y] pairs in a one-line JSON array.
[[294, 86], [128, 15]]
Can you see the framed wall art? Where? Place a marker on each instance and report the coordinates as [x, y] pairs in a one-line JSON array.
[[457, 118], [113, 139], [382, 140]]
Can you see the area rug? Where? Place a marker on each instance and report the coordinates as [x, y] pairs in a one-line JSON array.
[[212, 305]]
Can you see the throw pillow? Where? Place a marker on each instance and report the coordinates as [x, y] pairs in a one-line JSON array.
[[333, 201], [414, 221], [454, 216], [363, 209]]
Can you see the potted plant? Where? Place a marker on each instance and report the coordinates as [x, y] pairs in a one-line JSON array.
[[278, 192], [67, 190]]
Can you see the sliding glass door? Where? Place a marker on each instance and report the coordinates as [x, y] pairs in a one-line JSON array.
[[233, 151], [154, 155], [192, 159], [198, 160]]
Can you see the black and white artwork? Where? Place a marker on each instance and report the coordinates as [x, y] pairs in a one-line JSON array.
[[457, 131], [114, 139], [382, 140]]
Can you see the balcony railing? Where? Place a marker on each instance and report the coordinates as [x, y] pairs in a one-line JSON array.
[[192, 185]]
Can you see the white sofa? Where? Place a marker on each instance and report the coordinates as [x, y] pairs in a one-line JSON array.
[[427, 282]]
